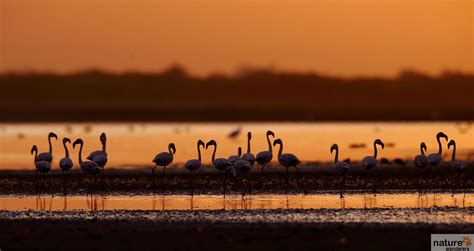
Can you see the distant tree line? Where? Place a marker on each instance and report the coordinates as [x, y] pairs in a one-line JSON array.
[[267, 95]]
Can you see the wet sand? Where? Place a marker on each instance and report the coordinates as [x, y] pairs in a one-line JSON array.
[[353, 229], [378, 228]]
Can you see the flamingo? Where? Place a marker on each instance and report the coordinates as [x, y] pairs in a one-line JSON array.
[[48, 156], [370, 162], [435, 158], [248, 156], [421, 161], [265, 157], [87, 167], [232, 159], [458, 166], [100, 156], [42, 166], [164, 159], [341, 167], [194, 164], [242, 167], [221, 164], [286, 159], [65, 163]]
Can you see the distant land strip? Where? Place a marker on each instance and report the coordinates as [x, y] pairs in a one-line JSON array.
[[255, 95]]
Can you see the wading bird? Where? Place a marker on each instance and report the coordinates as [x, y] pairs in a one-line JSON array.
[[370, 162], [232, 159], [100, 156], [221, 164], [242, 167], [48, 156], [248, 156], [458, 166], [341, 167], [42, 166], [65, 163], [435, 158], [163, 159], [87, 167], [286, 159], [193, 165], [265, 157], [421, 161]]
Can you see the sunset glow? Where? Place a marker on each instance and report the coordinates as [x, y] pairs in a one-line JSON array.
[[340, 37]]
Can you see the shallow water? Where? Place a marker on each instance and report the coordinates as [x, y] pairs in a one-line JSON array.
[[135, 144], [234, 202]]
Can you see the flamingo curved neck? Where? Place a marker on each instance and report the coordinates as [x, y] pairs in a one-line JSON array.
[[440, 148], [375, 150], [36, 156], [336, 158], [104, 146], [422, 150], [248, 145], [214, 153], [199, 153], [281, 150], [269, 143], [453, 157], [80, 154], [50, 146], [66, 150]]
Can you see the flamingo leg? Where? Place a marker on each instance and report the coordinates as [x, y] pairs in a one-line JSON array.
[[163, 178], [192, 190], [287, 179], [225, 182], [343, 183], [303, 178], [154, 178]]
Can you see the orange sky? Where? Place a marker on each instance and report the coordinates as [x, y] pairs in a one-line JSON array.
[[348, 37]]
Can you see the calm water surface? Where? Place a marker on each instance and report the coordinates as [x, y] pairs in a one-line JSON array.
[[135, 144], [233, 202]]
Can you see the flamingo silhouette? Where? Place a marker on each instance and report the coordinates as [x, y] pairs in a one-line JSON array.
[[369, 162], [65, 163], [248, 156], [163, 159], [100, 156], [286, 159], [341, 167], [89, 168], [42, 166], [458, 166], [48, 156], [193, 165], [221, 164], [421, 162], [265, 157]]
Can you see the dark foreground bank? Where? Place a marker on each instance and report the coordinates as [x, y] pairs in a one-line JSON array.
[[225, 230]]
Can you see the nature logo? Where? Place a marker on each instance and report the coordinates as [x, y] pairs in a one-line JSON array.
[[467, 241]]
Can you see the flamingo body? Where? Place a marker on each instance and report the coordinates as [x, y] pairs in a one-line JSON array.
[[43, 166], [421, 161], [65, 164], [242, 166], [163, 159], [434, 159], [369, 162], [264, 157], [192, 165], [288, 160], [249, 157]]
